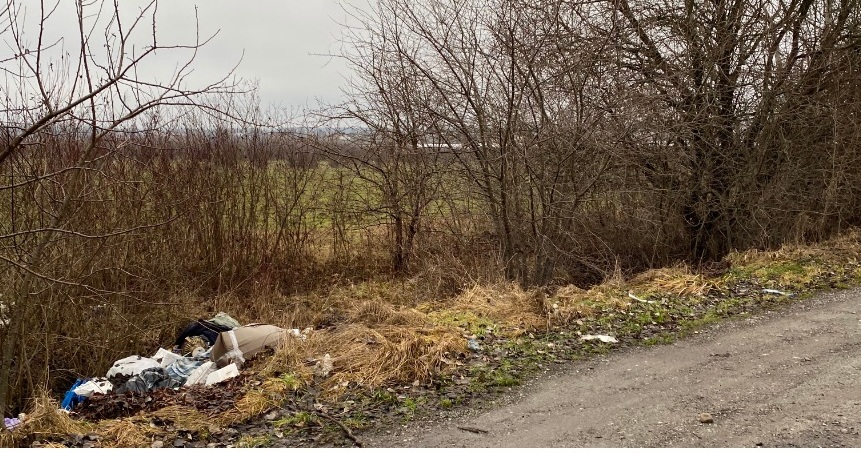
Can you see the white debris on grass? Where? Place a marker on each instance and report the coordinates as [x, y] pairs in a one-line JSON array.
[[632, 296], [132, 366], [100, 386], [200, 374], [603, 338], [222, 374], [324, 366], [165, 357]]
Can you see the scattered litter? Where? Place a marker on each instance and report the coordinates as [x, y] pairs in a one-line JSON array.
[[72, 399], [224, 320], [208, 329], [324, 366], [132, 366], [473, 345], [100, 386], [165, 357], [222, 374], [12, 423], [299, 334], [775, 291], [182, 368], [199, 375], [130, 383], [237, 345], [632, 296], [603, 338], [149, 380], [201, 354]]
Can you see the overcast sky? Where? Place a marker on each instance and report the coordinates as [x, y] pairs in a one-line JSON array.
[[279, 39], [280, 44]]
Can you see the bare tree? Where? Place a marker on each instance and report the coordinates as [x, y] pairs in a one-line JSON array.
[[396, 150], [85, 89], [684, 114], [721, 73], [513, 94]]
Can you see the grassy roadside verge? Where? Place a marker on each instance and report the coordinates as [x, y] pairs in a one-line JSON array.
[[395, 358]]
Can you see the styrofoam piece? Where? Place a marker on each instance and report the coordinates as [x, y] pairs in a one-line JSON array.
[[165, 357], [223, 374], [603, 338]]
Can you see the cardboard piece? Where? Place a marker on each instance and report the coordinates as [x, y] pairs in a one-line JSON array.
[[241, 343]]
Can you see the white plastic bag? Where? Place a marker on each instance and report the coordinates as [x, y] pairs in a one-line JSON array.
[[199, 375], [88, 388], [132, 366], [324, 366]]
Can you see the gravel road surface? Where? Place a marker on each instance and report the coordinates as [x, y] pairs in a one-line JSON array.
[[790, 378]]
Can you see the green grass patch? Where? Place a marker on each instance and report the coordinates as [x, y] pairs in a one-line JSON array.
[[290, 381], [297, 420], [261, 441]]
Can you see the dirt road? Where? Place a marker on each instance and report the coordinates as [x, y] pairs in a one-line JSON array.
[[779, 379]]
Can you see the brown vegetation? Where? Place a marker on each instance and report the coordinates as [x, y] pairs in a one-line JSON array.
[[508, 156]]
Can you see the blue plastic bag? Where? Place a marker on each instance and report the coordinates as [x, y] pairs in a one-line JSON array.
[[72, 399]]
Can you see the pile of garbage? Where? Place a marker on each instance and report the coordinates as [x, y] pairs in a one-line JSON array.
[[228, 345]]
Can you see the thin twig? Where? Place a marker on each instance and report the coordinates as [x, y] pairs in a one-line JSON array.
[[473, 430], [346, 430]]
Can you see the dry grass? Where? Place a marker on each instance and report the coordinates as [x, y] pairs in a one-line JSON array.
[[380, 337], [785, 253], [844, 246], [252, 404], [378, 312], [183, 418], [44, 420], [127, 433], [369, 357], [677, 280], [393, 354], [141, 430], [504, 307], [570, 303]]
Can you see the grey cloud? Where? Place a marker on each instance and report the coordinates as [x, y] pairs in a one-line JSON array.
[[279, 40]]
